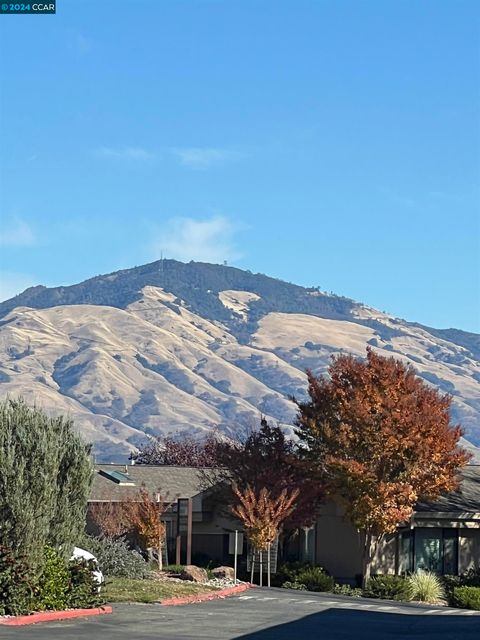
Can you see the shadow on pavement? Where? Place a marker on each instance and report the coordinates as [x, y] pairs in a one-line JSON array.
[[343, 624]]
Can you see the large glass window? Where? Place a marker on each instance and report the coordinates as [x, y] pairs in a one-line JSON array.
[[428, 549], [436, 550]]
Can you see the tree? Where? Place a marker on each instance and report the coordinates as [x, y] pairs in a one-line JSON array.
[[267, 459], [45, 480], [112, 518], [382, 438], [262, 515], [179, 451], [145, 511]]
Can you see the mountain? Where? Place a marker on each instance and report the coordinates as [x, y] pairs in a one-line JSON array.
[[170, 346]]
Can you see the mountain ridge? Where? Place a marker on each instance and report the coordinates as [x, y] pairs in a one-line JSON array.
[[216, 345]]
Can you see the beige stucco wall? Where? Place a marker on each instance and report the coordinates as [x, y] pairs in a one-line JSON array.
[[469, 549], [339, 546]]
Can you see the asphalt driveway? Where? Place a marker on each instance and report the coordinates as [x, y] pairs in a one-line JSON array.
[[264, 614]]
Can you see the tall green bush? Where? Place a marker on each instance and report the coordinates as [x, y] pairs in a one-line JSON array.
[[45, 479]]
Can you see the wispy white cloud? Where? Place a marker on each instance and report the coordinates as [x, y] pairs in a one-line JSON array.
[[17, 234], [204, 157], [12, 283], [210, 240], [125, 153]]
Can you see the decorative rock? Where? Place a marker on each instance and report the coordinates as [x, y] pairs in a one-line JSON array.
[[224, 572], [194, 574]]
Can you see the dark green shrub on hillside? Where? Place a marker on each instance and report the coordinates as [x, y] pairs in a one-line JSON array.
[[387, 587], [466, 598], [16, 586], [115, 558]]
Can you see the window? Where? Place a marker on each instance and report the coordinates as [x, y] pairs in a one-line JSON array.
[[436, 550]]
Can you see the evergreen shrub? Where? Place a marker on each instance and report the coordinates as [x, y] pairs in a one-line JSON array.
[[294, 585], [115, 558], [305, 575], [16, 584], [84, 589], [347, 590], [387, 587], [174, 568], [52, 589], [466, 598], [315, 579]]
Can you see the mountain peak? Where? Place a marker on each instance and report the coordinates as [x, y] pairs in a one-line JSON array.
[[171, 346]]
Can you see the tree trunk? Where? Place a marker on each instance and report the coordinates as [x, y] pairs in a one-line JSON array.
[[369, 549], [159, 551], [268, 564]]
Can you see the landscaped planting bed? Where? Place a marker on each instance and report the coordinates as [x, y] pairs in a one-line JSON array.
[[148, 590], [423, 586]]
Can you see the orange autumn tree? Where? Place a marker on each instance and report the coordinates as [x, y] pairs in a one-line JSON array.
[[145, 511], [382, 438], [262, 515]]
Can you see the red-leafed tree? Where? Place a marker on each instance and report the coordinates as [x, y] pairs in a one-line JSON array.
[[268, 459], [383, 439], [265, 459], [182, 451]]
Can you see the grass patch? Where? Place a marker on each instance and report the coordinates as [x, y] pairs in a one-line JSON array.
[[132, 590]]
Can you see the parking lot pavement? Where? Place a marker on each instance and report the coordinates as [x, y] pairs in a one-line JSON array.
[[265, 614]]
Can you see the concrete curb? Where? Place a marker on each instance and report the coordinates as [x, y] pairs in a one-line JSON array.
[[202, 597], [48, 616]]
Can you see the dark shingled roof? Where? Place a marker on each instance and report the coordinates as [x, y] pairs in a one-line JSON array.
[[173, 482], [465, 499]]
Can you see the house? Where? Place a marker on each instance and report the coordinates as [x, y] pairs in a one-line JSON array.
[[196, 529], [443, 536]]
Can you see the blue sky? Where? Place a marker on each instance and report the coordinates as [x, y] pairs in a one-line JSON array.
[[332, 143]]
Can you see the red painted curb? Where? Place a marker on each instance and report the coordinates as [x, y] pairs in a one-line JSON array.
[[202, 597], [46, 616]]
